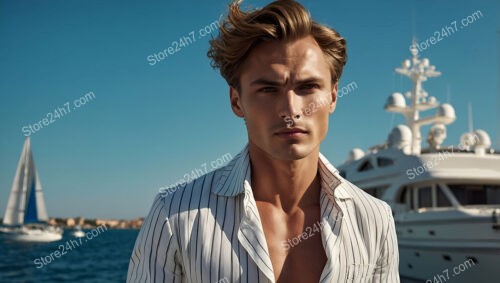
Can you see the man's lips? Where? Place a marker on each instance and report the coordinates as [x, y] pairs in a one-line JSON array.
[[291, 132]]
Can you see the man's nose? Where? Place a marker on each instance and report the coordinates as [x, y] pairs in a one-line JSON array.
[[290, 106]]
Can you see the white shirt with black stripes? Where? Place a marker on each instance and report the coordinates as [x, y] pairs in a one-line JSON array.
[[210, 231]]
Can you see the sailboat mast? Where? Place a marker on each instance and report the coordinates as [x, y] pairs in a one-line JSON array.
[[22, 207]]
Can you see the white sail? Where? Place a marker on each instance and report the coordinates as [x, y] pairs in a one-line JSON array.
[[40, 202], [26, 202]]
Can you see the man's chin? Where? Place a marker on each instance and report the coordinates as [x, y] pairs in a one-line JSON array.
[[291, 152]]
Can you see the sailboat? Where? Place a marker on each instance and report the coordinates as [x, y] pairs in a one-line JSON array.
[[25, 217]]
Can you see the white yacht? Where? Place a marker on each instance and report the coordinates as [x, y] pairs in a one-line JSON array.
[[78, 232], [26, 217], [445, 199]]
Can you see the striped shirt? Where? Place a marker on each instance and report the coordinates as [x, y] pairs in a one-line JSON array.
[[210, 231]]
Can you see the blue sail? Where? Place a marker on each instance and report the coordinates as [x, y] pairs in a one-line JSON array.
[[31, 215]]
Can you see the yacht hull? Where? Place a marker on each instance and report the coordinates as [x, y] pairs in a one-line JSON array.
[[459, 245], [435, 264], [25, 234]]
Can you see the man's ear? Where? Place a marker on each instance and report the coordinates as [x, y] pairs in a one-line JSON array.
[[333, 104], [234, 98]]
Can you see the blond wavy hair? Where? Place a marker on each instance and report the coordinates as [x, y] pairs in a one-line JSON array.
[[285, 20]]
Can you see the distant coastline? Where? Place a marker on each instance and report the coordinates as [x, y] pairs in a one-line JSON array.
[[72, 222]]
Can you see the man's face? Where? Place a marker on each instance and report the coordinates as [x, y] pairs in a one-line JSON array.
[[286, 97]]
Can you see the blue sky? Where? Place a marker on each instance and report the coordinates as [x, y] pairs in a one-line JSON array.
[[149, 125]]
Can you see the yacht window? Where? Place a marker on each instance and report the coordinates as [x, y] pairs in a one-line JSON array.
[[406, 197], [442, 199], [384, 161], [493, 194], [402, 196], [470, 194], [376, 191], [371, 192], [411, 198], [365, 166], [342, 173], [425, 197]]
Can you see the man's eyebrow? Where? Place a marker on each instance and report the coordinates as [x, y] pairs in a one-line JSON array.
[[310, 80], [264, 81]]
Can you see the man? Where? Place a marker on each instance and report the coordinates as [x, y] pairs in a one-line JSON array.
[[279, 212]]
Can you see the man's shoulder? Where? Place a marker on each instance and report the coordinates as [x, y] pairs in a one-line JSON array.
[[368, 202], [190, 195], [373, 214], [348, 190]]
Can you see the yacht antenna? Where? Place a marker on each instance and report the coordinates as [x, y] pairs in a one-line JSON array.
[[471, 127]]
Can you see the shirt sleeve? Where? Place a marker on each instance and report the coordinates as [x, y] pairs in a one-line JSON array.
[[155, 254], [387, 269]]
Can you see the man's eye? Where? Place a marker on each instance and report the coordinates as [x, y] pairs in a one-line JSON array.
[[268, 89], [307, 89], [309, 86]]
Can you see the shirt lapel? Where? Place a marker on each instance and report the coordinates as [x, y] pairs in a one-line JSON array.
[[251, 235], [236, 180], [332, 198]]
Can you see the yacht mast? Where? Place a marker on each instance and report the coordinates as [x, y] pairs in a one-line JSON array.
[[419, 70]]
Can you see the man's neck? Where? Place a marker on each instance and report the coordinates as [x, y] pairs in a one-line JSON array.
[[287, 185]]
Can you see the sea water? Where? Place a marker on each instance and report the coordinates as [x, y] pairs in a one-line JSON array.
[[100, 258]]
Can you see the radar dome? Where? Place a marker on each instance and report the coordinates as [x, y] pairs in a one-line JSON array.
[[400, 138], [483, 138], [395, 101], [355, 154], [406, 64], [436, 136], [467, 141], [446, 113], [425, 62]]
